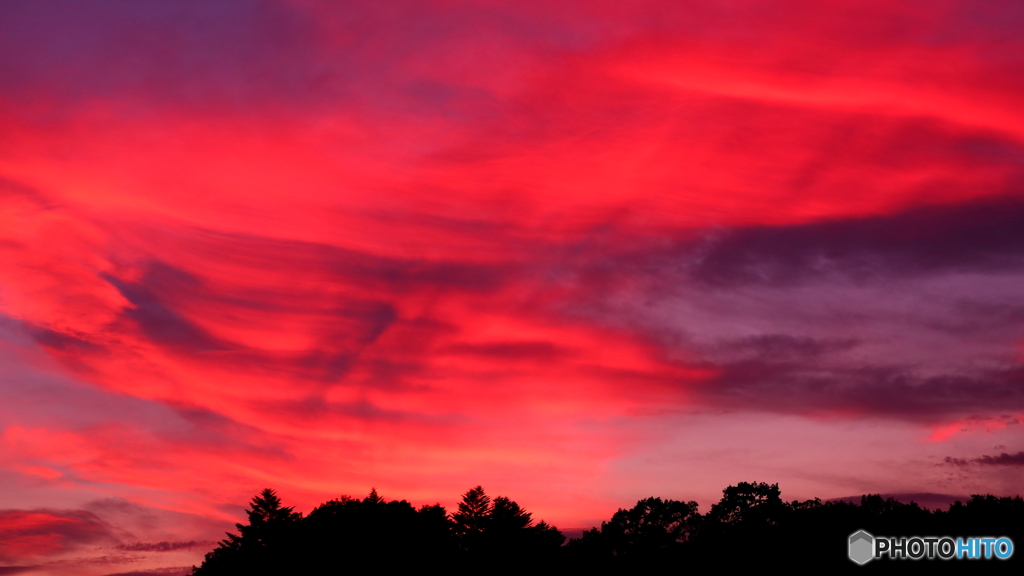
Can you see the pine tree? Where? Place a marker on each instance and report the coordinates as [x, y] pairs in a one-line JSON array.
[[268, 521], [258, 546], [507, 516], [474, 512]]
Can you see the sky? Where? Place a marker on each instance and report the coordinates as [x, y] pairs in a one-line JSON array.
[[577, 253]]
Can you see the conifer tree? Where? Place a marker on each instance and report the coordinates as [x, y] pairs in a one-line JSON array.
[[259, 545], [474, 511]]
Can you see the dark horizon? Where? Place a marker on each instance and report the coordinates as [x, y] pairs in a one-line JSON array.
[[750, 527]]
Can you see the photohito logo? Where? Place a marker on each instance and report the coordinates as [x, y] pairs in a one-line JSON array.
[[864, 547]]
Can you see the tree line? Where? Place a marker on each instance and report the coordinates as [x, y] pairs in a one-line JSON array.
[[751, 526]]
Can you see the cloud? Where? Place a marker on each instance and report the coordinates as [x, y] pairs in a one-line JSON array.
[[174, 571], [907, 315], [878, 391], [106, 532], [30, 534], [162, 546], [972, 237], [1003, 459]]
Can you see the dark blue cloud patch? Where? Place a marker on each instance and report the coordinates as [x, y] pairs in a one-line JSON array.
[[191, 52], [513, 351], [243, 55], [982, 236], [782, 347], [887, 391], [162, 546], [914, 315], [11, 570], [63, 342], [158, 320], [1003, 459], [172, 571]]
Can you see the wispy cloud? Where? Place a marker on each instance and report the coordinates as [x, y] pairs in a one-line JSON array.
[[1002, 459]]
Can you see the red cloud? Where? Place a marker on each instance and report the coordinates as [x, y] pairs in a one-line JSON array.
[[26, 535]]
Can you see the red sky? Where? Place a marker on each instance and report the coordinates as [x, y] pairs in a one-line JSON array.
[[579, 254]]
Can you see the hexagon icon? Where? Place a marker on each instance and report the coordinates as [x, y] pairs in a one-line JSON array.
[[861, 544]]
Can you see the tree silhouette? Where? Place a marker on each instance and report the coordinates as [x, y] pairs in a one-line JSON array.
[[648, 532], [268, 521], [473, 513], [749, 502], [262, 546], [506, 516], [745, 530], [502, 529], [392, 533]]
